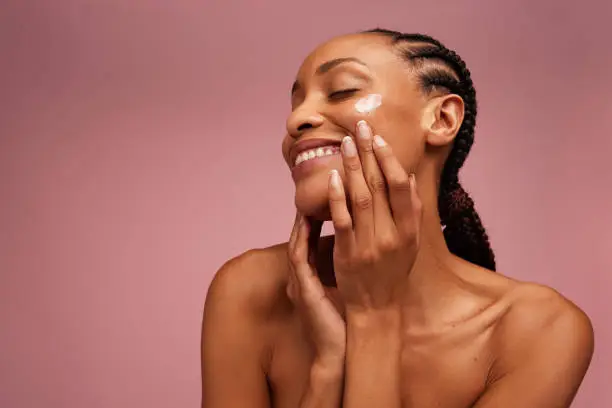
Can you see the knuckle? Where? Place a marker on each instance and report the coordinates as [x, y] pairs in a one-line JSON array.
[[409, 234], [294, 257], [388, 244], [336, 198], [367, 148], [363, 201], [353, 164], [368, 256], [377, 184], [384, 153], [399, 182], [343, 224]]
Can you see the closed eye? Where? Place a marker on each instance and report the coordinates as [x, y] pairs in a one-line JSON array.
[[345, 93]]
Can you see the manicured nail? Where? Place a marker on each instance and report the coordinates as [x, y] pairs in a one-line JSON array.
[[363, 130], [348, 147], [379, 141], [335, 179]]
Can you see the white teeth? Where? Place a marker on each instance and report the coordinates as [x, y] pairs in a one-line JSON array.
[[313, 153]]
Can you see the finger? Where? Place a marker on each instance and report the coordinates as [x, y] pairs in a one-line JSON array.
[[341, 218], [375, 179], [311, 289], [293, 239], [417, 208], [294, 231], [405, 203], [302, 267], [292, 285], [359, 193]]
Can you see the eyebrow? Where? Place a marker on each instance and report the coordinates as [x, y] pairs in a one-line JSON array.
[[328, 66]]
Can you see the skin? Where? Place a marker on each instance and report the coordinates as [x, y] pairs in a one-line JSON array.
[[408, 324]]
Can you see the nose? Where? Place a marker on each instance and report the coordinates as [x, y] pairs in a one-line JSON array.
[[302, 119]]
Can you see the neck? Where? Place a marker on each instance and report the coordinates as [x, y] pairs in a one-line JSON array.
[[431, 285]]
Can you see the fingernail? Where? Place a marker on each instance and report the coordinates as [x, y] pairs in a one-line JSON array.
[[335, 179], [363, 130], [412, 179], [379, 141], [348, 147]]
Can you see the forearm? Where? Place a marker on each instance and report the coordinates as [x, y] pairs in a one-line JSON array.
[[373, 361], [325, 385]]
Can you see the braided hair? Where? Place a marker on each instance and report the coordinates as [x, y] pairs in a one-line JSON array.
[[442, 69]]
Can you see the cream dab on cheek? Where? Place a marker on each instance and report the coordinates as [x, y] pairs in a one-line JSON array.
[[368, 104]]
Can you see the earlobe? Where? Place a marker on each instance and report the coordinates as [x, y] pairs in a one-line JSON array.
[[442, 119]]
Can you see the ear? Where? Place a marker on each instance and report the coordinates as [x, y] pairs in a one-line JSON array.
[[442, 118]]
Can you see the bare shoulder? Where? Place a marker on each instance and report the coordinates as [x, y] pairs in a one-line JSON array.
[[540, 321], [236, 334], [539, 309], [255, 279]]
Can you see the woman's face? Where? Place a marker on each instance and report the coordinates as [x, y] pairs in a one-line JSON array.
[[329, 83]]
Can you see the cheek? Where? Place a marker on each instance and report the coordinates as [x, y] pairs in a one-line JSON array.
[[368, 104], [285, 148], [367, 108], [390, 118], [389, 122], [400, 127]]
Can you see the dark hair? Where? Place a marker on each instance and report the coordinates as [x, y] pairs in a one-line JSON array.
[[441, 68]]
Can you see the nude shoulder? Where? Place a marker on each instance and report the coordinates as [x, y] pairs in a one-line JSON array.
[[533, 306], [256, 279], [539, 317]]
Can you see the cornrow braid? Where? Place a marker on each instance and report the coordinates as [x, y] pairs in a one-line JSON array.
[[442, 69]]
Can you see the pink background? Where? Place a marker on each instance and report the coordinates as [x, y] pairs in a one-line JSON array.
[[140, 148]]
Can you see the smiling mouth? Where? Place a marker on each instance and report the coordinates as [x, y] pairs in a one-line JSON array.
[[315, 153]]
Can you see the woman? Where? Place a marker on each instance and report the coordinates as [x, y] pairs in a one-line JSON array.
[[393, 310]]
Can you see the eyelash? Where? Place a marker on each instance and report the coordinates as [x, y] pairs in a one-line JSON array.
[[342, 94]]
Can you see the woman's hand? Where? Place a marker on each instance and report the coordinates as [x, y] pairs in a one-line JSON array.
[[326, 326], [376, 242]]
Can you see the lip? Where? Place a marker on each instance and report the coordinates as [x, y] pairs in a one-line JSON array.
[[308, 144]]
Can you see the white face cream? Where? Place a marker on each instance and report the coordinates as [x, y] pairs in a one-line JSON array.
[[368, 104]]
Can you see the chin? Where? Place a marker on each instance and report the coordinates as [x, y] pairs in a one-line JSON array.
[[312, 198]]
